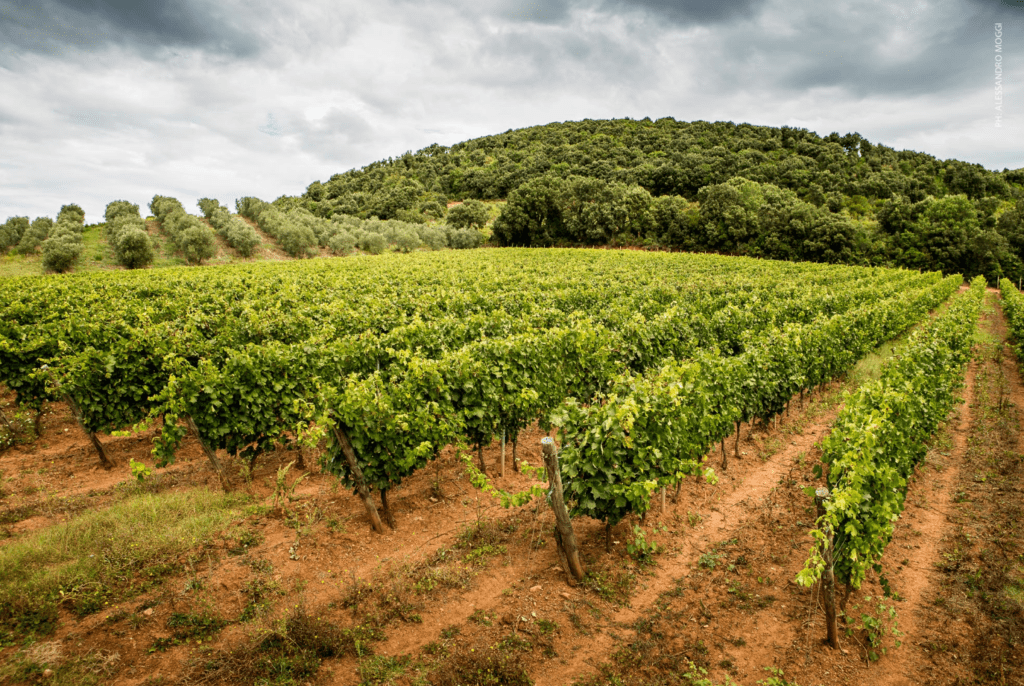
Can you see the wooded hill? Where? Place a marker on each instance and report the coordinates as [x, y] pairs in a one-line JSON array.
[[763, 191]]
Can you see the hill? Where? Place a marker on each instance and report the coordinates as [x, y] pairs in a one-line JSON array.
[[740, 189]]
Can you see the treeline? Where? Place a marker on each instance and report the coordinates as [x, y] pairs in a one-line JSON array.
[[59, 242], [302, 234], [737, 189], [666, 157], [952, 234]]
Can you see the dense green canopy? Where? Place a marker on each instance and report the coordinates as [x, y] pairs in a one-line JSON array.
[[754, 190]]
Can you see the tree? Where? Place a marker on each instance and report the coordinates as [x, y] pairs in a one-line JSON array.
[[468, 214]]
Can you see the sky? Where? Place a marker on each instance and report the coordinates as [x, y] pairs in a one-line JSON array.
[[120, 99]]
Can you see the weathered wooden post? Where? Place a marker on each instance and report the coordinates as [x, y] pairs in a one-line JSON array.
[[564, 535], [828, 578], [357, 477], [211, 455]]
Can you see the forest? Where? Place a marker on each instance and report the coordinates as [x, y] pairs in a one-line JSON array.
[[736, 189]]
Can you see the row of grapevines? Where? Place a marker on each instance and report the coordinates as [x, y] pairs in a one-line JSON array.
[[879, 438], [399, 419], [112, 366], [1013, 308], [651, 431]]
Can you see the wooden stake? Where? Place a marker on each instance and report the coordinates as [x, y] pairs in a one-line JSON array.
[[828, 579], [564, 535], [736, 450], [211, 455], [357, 477], [502, 453]]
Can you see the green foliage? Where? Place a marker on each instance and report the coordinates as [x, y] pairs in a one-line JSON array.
[[640, 549], [373, 243], [63, 247], [12, 231], [1013, 308], [879, 438], [239, 235], [469, 214], [189, 235], [127, 235], [71, 213], [821, 198], [34, 236]]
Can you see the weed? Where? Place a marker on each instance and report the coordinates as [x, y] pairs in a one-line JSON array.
[[288, 654], [777, 678], [640, 549], [490, 666], [381, 669], [189, 627], [482, 618]]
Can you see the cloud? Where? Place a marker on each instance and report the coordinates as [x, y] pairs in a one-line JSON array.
[[55, 27], [106, 99]]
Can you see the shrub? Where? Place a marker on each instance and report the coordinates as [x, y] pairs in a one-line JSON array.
[[12, 231], [468, 214], [73, 214], [406, 240], [433, 238], [120, 208], [342, 242], [464, 239], [35, 235], [134, 249], [373, 243], [61, 251], [196, 243]]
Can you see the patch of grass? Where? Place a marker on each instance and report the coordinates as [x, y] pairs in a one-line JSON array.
[[104, 556], [258, 592], [28, 666], [289, 654], [484, 666], [380, 670], [189, 627], [616, 587]]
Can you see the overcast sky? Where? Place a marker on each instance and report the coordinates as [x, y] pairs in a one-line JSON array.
[[112, 99]]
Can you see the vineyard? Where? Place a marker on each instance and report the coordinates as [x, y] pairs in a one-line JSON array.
[[383, 509]]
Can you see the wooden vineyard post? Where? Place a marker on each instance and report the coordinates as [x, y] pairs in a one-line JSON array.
[[357, 477], [736, 449], [568, 550], [211, 455], [828, 577]]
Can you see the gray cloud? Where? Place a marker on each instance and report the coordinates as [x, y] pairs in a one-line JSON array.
[[106, 100], [54, 26]]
